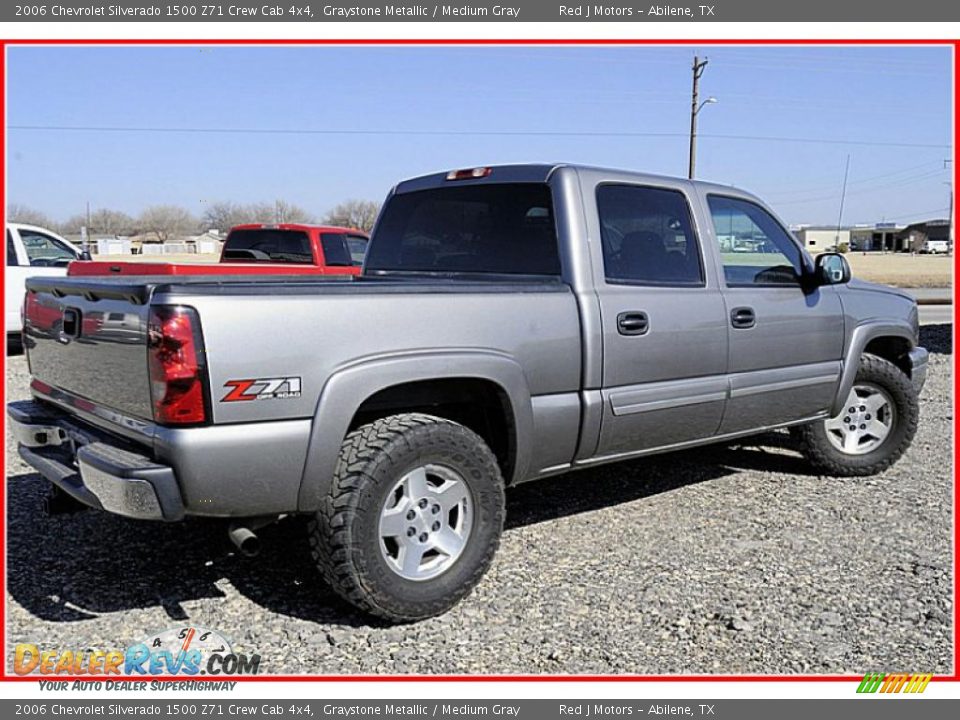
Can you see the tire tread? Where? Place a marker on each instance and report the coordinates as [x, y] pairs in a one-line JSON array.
[[827, 460], [332, 542]]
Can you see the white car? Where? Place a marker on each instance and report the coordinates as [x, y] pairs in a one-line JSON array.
[[32, 251]]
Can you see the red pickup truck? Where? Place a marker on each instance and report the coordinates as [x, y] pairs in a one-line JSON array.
[[259, 249]]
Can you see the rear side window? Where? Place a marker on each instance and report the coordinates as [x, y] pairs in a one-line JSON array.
[[11, 250], [335, 251], [265, 245], [505, 228], [647, 236]]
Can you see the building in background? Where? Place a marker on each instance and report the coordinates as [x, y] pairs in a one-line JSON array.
[[931, 236], [880, 237], [821, 238]]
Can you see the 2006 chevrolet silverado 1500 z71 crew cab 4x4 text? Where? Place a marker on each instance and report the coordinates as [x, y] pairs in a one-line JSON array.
[[511, 323]]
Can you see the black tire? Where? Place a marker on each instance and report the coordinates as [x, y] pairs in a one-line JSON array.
[[344, 534], [829, 460]]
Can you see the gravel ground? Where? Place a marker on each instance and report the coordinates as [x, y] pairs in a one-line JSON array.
[[729, 559]]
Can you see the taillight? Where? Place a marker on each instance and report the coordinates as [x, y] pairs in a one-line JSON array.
[[469, 173], [177, 365]]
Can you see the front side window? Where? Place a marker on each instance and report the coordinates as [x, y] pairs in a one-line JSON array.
[[754, 247], [648, 236], [45, 251], [495, 228], [357, 244]]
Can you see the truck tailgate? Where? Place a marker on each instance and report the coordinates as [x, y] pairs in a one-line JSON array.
[[90, 340]]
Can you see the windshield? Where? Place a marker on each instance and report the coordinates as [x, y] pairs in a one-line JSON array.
[[505, 228], [268, 245]]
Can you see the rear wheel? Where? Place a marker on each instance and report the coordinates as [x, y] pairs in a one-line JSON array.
[[413, 519], [874, 428]]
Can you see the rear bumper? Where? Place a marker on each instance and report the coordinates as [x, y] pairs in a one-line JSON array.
[[918, 367], [93, 467]]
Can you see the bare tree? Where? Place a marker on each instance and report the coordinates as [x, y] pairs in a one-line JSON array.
[[111, 222], [224, 215], [19, 213], [361, 214], [103, 221], [73, 224], [290, 213], [166, 222]]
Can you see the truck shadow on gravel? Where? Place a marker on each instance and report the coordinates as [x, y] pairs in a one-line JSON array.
[[937, 339], [77, 567]]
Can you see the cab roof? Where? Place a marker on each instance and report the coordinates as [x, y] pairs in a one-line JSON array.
[[301, 227], [541, 172]]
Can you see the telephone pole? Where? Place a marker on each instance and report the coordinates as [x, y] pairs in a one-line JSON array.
[[695, 107], [843, 197], [946, 164]]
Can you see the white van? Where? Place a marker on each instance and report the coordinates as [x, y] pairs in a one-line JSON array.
[[936, 247], [32, 251]]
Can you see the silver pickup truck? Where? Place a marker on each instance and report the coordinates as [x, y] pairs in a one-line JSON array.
[[511, 323]]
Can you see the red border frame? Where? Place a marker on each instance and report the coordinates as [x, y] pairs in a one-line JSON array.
[[955, 44]]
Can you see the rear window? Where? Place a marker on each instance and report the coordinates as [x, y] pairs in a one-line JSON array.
[[506, 228], [266, 245]]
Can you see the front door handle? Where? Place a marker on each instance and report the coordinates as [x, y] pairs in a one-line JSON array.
[[633, 323], [743, 317]]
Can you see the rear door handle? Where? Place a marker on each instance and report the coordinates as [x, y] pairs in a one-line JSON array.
[[743, 317], [633, 323]]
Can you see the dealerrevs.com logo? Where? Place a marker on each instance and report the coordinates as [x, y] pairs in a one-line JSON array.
[[889, 683], [188, 651]]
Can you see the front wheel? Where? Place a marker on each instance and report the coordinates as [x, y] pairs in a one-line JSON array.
[[874, 428], [413, 518]]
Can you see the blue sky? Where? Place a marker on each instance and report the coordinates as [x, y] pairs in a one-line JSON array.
[[896, 99]]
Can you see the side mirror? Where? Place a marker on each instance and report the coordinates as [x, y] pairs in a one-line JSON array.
[[85, 255], [831, 269]]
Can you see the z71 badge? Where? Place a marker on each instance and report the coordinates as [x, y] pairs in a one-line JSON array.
[[282, 388]]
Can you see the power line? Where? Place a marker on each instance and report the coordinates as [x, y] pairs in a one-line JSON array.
[[870, 178], [866, 190], [463, 133], [917, 214]]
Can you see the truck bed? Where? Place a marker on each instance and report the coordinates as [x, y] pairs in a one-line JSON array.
[[280, 326]]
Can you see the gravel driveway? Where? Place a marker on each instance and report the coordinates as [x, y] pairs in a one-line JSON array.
[[728, 559]]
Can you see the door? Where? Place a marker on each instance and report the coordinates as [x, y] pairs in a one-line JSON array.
[[786, 343], [40, 254], [664, 331]]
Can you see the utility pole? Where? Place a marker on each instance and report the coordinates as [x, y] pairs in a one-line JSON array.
[[843, 196], [695, 107], [950, 219], [947, 163], [85, 232]]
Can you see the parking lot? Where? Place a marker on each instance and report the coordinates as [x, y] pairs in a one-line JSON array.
[[727, 559]]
